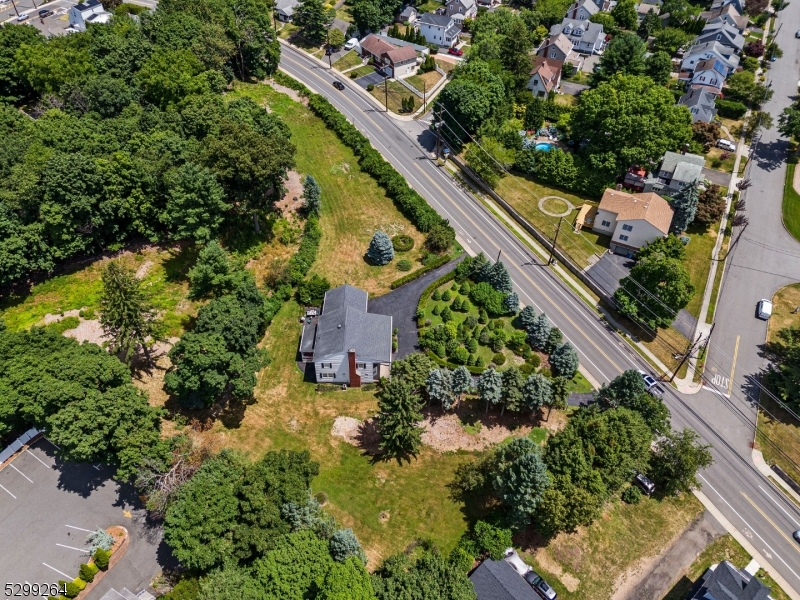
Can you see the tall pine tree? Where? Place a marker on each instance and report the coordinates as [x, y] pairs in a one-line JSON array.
[[539, 333], [399, 413], [440, 387], [490, 387], [685, 205], [312, 194]]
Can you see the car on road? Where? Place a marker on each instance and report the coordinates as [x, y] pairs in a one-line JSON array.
[[726, 145], [539, 585], [764, 309], [797, 34], [22, 17], [648, 487], [338, 85], [350, 44], [796, 535], [44, 13], [455, 51], [649, 380]]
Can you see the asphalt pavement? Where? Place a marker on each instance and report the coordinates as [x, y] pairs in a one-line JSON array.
[[748, 500]]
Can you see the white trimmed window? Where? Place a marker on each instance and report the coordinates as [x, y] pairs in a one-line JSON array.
[[624, 238]]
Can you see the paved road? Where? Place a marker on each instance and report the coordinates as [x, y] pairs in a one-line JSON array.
[[736, 488]]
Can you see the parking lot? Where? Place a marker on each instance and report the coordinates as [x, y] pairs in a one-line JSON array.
[[48, 506], [51, 25]]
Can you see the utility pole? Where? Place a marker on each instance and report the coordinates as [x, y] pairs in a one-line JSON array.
[[14, 4], [386, 93], [551, 260], [328, 46], [498, 256], [424, 97], [689, 351]]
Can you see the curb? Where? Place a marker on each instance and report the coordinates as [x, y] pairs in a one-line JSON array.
[[115, 558], [763, 468]]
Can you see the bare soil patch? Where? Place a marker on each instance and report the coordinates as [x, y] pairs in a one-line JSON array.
[[446, 433], [88, 331], [292, 200], [286, 90], [49, 318], [361, 434]]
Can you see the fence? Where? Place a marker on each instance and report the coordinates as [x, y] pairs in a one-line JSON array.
[[17, 444]]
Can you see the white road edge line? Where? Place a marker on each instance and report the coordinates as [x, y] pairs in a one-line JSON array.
[[74, 548], [79, 528], [779, 506], [9, 493], [69, 577], [37, 458], [21, 473], [750, 527]]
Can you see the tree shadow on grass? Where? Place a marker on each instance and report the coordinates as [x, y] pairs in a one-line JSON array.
[[179, 262]]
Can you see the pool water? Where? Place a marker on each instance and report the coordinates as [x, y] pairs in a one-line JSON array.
[[543, 147]]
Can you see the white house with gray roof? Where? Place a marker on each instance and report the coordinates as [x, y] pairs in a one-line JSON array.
[[582, 10], [701, 103], [347, 344], [727, 35], [586, 37], [285, 9], [461, 9], [703, 51], [679, 170], [441, 30]]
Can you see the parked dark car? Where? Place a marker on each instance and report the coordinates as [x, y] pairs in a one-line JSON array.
[[44, 13], [455, 51], [338, 85], [648, 487]]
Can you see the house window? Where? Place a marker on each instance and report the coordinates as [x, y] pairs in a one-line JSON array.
[[326, 365], [361, 365], [624, 238], [327, 375], [606, 223], [627, 228]]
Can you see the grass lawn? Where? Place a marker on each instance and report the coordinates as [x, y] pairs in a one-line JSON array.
[[791, 204], [289, 413], [723, 548], [734, 126], [445, 65], [587, 564], [353, 205], [429, 6], [715, 160], [424, 82], [164, 279], [361, 71], [565, 99], [723, 252], [698, 261], [351, 59], [395, 96], [523, 193]]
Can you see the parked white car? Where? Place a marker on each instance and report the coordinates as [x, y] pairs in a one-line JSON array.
[[726, 145], [764, 309], [351, 43]]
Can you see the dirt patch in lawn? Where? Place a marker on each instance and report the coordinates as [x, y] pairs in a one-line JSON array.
[[446, 433], [361, 434], [49, 318], [292, 200], [286, 90], [88, 331]]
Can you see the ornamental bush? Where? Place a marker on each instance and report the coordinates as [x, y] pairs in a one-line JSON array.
[[499, 359], [99, 539], [446, 296], [381, 251], [631, 495], [101, 558], [87, 572], [79, 583], [402, 242], [404, 265]]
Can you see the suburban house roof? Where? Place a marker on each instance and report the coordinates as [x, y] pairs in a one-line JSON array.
[[375, 45], [584, 30], [345, 324], [672, 160], [286, 7], [727, 14], [643, 8], [648, 207], [726, 582], [497, 580], [548, 70], [560, 41], [407, 12], [402, 43], [435, 19], [401, 54], [701, 103], [90, 5], [588, 5], [711, 64], [724, 33]]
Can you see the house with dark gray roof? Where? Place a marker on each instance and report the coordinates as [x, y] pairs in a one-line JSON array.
[[679, 170], [727, 35], [438, 29], [497, 580], [285, 9], [701, 103], [586, 37], [725, 582], [347, 344]]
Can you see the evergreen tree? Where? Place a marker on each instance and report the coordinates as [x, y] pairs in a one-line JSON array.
[[479, 268], [513, 384], [622, 390], [312, 194], [539, 333], [511, 303], [564, 361], [213, 274], [381, 250], [685, 205], [439, 386], [526, 318], [490, 387], [344, 544], [559, 387], [499, 278], [537, 392], [127, 316], [554, 340], [399, 413], [312, 17], [520, 478], [462, 379]]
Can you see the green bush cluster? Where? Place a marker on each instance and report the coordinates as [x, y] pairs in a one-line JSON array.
[[403, 242], [404, 265], [88, 571], [435, 264], [408, 201], [730, 109], [101, 558], [631, 495], [306, 254]]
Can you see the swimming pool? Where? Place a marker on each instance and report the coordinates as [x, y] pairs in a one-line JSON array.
[[543, 146]]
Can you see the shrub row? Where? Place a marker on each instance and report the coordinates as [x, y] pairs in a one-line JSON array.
[[283, 79], [423, 299], [730, 109], [87, 573], [306, 254], [435, 264], [409, 202], [443, 363]]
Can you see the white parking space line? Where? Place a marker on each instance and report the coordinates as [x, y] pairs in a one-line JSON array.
[[779, 506], [51, 443], [9, 493], [69, 577], [74, 548], [21, 473], [37, 458], [79, 528]]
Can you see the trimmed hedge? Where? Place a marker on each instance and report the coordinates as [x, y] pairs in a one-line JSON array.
[[306, 254], [409, 202], [283, 79], [443, 363], [402, 242], [442, 260], [730, 109], [423, 299], [101, 558]]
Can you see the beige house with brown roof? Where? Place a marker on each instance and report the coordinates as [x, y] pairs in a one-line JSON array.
[[545, 76], [632, 220]]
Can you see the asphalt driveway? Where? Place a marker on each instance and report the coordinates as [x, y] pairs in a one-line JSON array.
[[48, 506], [372, 78], [401, 305], [717, 177]]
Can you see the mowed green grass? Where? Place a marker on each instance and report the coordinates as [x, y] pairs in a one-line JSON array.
[[791, 204], [354, 207], [388, 504], [698, 261], [351, 59]]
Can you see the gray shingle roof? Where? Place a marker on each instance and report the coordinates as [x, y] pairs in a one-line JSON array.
[[701, 104], [345, 324], [673, 159], [726, 582], [592, 31], [434, 19], [497, 580], [687, 173]]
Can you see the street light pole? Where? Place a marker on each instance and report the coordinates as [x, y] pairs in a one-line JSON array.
[[551, 260]]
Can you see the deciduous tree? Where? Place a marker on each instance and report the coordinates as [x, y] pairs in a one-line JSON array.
[[677, 457]]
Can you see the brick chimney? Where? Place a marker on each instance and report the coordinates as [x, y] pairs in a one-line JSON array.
[[355, 378]]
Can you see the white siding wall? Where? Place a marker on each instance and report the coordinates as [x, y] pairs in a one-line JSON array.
[[338, 366], [433, 35], [604, 215], [641, 233]]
